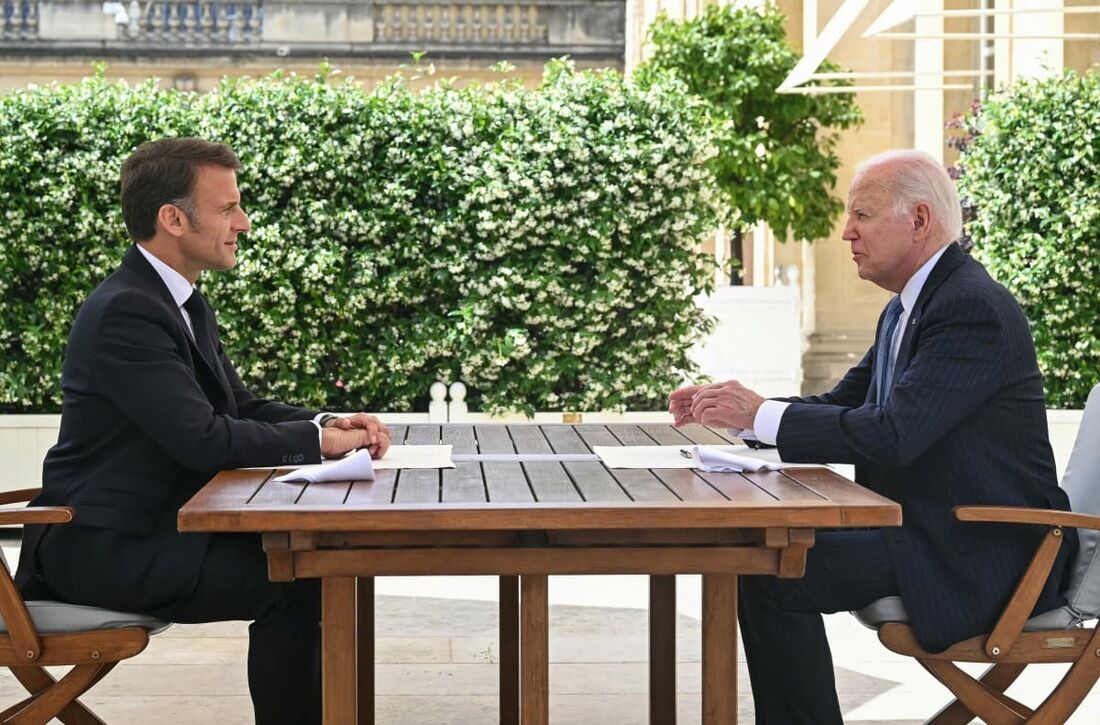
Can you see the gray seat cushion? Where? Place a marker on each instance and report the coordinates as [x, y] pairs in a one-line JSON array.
[[61, 618], [882, 611]]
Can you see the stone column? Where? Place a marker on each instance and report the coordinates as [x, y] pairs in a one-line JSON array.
[[1038, 57], [928, 116]]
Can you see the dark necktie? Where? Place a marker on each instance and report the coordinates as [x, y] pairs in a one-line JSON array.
[[202, 325], [884, 347]]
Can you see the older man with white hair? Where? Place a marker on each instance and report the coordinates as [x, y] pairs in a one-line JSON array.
[[946, 409]]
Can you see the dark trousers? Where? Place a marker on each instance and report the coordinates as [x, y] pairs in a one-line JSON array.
[[85, 566], [787, 653]]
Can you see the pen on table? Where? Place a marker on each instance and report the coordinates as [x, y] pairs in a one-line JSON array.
[[685, 453]]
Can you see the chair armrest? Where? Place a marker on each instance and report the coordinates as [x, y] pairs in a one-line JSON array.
[[31, 514], [23, 494], [1019, 607], [37, 515], [1021, 515]]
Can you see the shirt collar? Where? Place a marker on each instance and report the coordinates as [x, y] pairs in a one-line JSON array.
[[911, 291], [177, 284]]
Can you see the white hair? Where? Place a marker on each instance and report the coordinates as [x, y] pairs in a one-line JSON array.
[[917, 177]]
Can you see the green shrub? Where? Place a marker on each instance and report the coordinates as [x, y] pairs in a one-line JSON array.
[[1032, 172], [538, 245]]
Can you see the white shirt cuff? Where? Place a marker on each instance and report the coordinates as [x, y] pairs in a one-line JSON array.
[[766, 423], [317, 422]]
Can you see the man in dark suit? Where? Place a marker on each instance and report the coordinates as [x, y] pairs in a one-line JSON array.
[[152, 409], [945, 409]]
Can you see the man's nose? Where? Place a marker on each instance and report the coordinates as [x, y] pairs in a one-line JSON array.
[[849, 233], [244, 224]]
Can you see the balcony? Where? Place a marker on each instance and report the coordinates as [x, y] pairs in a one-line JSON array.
[[521, 29]]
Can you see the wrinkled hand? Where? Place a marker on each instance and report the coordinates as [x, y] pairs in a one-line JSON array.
[[370, 433], [679, 404], [725, 405]]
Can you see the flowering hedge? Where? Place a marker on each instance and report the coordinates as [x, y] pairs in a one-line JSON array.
[[1032, 173], [537, 245]]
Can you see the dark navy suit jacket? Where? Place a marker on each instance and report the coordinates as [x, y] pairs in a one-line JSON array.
[[965, 424], [145, 422]]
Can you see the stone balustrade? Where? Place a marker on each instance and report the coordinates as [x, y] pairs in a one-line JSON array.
[[453, 22], [18, 19], [584, 29], [189, 22]]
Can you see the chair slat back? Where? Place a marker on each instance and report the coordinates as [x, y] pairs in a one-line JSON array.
[[1081, 482]]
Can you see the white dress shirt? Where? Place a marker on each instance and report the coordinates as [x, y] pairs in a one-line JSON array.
[[765, 426], [178, 286]]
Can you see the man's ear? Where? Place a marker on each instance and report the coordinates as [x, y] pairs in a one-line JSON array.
[[171, 218], [922, 221]]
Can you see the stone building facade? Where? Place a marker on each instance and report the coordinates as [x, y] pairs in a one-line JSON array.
[[191, 45]]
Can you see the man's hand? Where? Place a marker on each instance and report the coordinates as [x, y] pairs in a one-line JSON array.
[[342, 431], [726, 405], [679, 404]]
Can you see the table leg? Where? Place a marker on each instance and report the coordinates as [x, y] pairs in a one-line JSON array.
[[662, 650], [534, 640], [338, 650], [364, 648], [719, 649], [509, 650]]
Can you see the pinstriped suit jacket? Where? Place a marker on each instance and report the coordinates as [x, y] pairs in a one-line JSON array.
[[965, 424]]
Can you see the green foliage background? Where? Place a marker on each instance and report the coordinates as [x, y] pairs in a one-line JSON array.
[[776, 159], [1032, 171], [537, 245]]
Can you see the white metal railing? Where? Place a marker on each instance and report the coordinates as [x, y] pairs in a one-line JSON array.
[[458, 22]]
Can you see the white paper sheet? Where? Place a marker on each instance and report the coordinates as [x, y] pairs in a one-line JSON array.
[[645, 456], [359, 466], [416, 457], [740, 457]]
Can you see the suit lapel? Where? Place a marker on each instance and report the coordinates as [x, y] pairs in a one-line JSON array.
[[952, 258], [137, 262]]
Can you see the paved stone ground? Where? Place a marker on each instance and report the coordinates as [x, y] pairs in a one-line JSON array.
[[437, 666]]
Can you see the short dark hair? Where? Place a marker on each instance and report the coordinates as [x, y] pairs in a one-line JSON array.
[[163, 172]]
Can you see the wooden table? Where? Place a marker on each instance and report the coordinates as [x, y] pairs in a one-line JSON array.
[[524, 502]]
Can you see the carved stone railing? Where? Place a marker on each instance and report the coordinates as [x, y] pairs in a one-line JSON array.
[[190, 22], [454, 22], [19, 19], [319, 28]]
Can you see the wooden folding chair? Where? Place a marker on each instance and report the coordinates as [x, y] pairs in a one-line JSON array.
[[35, 634], [1017, 640]]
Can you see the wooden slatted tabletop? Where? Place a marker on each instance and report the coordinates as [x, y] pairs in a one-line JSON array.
[[525, 502], [538, 494]]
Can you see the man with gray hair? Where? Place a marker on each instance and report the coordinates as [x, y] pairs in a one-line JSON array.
[[945, 409]]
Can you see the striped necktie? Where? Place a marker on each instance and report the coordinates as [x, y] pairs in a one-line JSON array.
[[884, 348]]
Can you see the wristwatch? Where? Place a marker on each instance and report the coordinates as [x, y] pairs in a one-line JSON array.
[[324, 419]]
